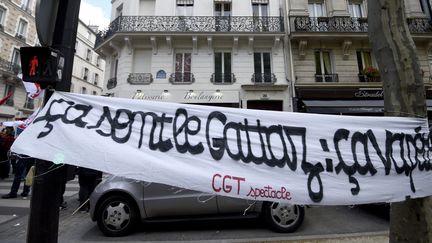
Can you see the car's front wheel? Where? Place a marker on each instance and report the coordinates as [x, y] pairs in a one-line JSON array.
[[283, 217], [117, 216]]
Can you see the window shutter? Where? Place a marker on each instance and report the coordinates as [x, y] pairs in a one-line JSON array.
[[185, 2]]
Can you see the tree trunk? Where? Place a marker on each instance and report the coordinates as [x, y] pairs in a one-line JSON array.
[[404, 95]]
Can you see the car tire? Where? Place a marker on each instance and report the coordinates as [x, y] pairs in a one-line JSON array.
[[283, 217], [117, 216]]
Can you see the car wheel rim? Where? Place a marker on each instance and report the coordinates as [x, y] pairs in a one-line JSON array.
[[116, 216], [284, 215]]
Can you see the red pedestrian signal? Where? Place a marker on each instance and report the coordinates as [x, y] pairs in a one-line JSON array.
[[34, 63], [41, 65]]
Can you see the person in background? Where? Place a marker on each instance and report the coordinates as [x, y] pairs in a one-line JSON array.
[[7, 137], [70, 175], [88, 180], [22, 166]]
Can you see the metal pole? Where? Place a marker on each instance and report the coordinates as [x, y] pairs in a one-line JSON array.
[[47, 187]]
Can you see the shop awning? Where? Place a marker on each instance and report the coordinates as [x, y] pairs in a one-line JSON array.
[[185, 2], [349, 106], [260, 1], [344, 106]]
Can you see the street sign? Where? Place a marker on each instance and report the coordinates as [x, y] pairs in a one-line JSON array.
[[46, 15], [41, 65]]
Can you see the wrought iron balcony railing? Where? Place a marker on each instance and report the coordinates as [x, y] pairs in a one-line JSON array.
[[190, 24], [332, 77], [420, 25], [182, 78], [263, 78], [365, 78], [140, 78], [348, 24], [112, 83], [10, 67], [331, 24], [223, 78]]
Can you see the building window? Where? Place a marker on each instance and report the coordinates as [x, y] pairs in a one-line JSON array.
[[356, 9], [426, 7], [114, 68], [323, 67], [262, 67], [76, 45], [183, 67], [85, 74], [94, 93], [22, 29], [316, 8], [98, 59], [222, 67], [9, 89], [29, 103], [88, 34], [16, 59], [89, 55], [364, 60], [119, 11], [223, 15], [83, 90], [2, 17], [184, 7], [223, 9], [260, 9], [96, 79], [25, 4]]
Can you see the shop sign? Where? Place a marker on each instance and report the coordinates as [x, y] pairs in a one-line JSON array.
[[189, 96], [362, 93]]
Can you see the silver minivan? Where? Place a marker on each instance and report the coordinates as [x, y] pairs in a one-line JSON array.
[[118, 204]]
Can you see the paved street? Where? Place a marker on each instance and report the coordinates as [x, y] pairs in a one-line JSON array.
[[320, 223]]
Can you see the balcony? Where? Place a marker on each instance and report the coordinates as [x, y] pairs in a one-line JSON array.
[[348, 24], [112, 83], [419, 25], [327, 78], [182, 78], [9, 67], [223, 78], [206, 24], [365, 78], [330, 24], [140, 78], [26, 9], [263, 78], [20, 37]]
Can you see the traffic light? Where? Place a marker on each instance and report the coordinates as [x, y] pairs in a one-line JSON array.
[[41, 65]]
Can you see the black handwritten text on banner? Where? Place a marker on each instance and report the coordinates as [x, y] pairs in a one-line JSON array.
[[265, 155]]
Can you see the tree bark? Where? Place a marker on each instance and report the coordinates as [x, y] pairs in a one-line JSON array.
[[404, 95]]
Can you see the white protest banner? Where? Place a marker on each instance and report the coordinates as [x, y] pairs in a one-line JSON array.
[[259, 155]]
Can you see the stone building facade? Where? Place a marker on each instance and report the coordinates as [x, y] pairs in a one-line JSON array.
[[335, 71], [89, 67], [17, 29], [290, 55], [208, 52]]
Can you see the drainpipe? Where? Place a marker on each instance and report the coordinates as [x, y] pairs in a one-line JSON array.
[[288, 58]]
